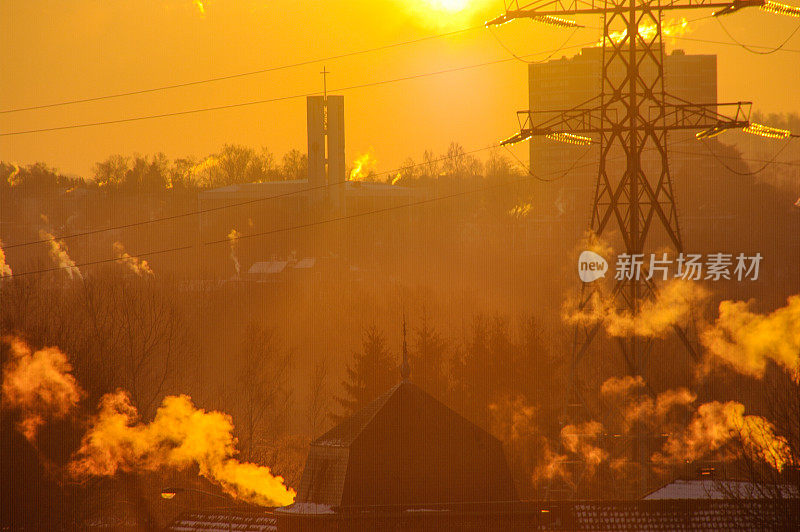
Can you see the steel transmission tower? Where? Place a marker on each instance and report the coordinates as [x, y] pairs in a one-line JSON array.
[[630, 119]]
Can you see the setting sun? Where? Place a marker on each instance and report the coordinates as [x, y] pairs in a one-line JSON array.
[[448, 13], [448, 5], [399, 265]]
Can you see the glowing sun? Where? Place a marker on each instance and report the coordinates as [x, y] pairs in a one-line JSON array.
[[452, 6], [448, 13]]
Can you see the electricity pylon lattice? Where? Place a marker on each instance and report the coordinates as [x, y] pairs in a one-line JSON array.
[[630, 119]]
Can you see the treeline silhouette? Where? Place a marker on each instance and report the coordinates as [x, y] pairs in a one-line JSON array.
[[480, 280]]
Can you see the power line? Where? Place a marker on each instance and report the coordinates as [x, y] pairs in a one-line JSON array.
[[96, 262], [528, 170], [296, 96], [745, 159], [238, 75], [530, 175], [752, 172], [269, 100], [752, 49], [735, 42], [227, 206], [386, 172], [293, 227], [252, 72], [725, 43], [520, 58]]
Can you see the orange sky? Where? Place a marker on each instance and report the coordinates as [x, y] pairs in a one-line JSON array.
[[53, 50]]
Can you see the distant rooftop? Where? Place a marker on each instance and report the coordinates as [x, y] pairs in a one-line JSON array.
[[405, 448], [212, 520], [721, 489], [274, 188]]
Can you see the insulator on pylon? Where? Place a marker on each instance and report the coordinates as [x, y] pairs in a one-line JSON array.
[[570, 138], [557, 21], [781, 9], [767, 132]]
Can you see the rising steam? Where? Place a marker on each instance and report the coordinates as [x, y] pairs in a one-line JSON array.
[[672, 306], [717, 425], [38, 385], [621, 386], [5, 269], [138, 266], [233, 237], [59, 254], [581, 440], [520, 211], [673, 28], [746, 341], [13, 177], [363, 166], [180, 436]]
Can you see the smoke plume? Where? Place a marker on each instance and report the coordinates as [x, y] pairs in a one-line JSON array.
[[580, 439], [38, 385], [180, 436], [233, 237], [363, 166], [672, 306], [637, 407], [512, 419], [514, 423], [59, 254], [138, 266], [746, 341], [673, 28], [13, 177], [520, 211], [716, 425], [5, 269], [621, 386], [590, 241], [647, 410], [554, 466]]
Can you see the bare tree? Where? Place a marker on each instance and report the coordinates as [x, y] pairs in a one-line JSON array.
[[318, 401], [257, 392]]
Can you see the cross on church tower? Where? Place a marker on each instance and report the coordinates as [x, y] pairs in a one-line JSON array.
[[325, 73]]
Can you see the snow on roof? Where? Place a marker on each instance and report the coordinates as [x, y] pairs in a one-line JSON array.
[[224, 520], [720, 489], [268, 267], [303, 264], [306, 508]]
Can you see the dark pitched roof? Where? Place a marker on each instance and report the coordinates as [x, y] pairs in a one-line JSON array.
[[405, 448], [343, 434]]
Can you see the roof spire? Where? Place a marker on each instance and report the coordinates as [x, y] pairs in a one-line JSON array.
[[405, 369]]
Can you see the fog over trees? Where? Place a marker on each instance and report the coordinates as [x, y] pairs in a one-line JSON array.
[[480, 277]]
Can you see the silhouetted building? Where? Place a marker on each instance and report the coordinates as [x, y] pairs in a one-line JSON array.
[[405, 448], [569, 82], [278, 207]]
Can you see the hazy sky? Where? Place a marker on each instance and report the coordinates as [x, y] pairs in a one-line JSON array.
[[54, 50]]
